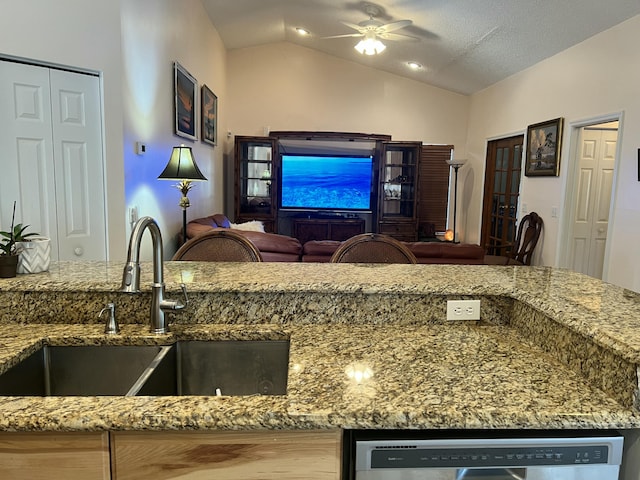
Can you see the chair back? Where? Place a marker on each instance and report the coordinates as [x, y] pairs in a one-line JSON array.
[[527, 238], [372, 248], [219, 246]]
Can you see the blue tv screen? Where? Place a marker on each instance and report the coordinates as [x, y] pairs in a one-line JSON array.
[[326, 182]]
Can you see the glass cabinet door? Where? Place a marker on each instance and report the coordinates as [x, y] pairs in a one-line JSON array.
[[254, 178], [398, 181]]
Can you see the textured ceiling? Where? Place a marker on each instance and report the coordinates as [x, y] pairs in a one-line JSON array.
[[463, 45]]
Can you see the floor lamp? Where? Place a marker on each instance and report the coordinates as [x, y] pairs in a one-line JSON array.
[[456, 164], [182, 167]]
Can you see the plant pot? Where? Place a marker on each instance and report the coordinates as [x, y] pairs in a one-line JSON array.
[[8, 266], [35, 255]]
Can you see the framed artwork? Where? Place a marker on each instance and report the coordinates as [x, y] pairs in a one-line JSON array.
[[544, 143], [209, 120], [185, 89]]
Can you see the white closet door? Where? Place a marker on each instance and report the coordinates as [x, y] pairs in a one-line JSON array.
[[51, 150], [77, 153], [26, 150]]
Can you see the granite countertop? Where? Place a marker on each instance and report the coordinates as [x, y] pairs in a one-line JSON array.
[[374, 367]]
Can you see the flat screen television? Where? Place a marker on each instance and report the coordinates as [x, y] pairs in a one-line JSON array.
[[323, 182]]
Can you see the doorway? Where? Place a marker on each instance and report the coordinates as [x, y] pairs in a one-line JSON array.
[[501, 193], [595, 160]]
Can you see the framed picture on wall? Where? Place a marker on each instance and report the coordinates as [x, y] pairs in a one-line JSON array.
[[209, 119], [544, 143], [185, 89]]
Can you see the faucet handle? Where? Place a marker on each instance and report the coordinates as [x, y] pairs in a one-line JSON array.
[[180, 306], [111, 327], [176, 304]]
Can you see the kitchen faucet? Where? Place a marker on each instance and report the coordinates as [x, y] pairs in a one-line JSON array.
[[131, 275]]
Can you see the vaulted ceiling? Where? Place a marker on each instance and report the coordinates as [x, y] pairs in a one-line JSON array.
[[462, 45]]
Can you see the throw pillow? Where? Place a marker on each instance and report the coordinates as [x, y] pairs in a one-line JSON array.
[[251, 226]]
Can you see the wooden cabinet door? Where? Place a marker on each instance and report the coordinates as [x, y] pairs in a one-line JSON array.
[[47, 456], [282, 455]]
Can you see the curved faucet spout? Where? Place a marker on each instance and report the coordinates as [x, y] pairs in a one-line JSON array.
[[131, 273]]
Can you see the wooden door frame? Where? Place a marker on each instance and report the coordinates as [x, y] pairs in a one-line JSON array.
[[566, 227], [490, 168]]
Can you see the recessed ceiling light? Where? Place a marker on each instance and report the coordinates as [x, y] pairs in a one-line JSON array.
[[302, 31], [414, 65]]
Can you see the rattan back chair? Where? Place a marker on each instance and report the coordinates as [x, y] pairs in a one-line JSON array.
[[372, 248], [219, 246]]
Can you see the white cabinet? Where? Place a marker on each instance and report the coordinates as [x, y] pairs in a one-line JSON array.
[[51, 156]]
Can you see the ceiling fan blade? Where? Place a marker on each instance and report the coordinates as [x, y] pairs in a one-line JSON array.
[[398, 37], [353, 25], [345, 35], [390, 27]]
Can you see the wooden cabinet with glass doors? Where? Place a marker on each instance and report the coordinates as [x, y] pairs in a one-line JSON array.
[[397, 190], [255, 191]]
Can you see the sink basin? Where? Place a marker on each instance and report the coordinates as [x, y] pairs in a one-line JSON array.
[[185, 368], [222, 368], [80, 371]]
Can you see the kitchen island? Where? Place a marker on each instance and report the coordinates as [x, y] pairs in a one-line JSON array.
[[370, 346]]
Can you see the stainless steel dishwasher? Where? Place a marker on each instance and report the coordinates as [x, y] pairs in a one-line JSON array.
[[518, 458]]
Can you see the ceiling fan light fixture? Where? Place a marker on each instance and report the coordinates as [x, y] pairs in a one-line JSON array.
[[370, 45]]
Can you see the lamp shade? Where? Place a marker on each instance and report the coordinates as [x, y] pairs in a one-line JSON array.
[[181, 166], [458, 162]]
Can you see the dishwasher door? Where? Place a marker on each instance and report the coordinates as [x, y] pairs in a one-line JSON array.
[[586, 458]]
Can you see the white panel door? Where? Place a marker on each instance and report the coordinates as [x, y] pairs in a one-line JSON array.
[[591, 216], [26, 149], [51, 150], [77, 148]]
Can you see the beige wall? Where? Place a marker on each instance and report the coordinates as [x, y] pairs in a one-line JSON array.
[[83, 34], [592, 80], [155, 33], [287, 87]]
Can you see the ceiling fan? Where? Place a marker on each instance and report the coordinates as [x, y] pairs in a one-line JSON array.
[[373, 30]]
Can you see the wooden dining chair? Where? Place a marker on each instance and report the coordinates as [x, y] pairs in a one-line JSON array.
[[372, 248], [521, 251], [219, 246]]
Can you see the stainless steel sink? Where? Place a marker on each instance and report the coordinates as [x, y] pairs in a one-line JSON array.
[[185, 368], [222, 368], [80, 371]]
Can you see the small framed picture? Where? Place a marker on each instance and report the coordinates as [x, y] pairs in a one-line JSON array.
[[209, 119], [544, 144], [185, 89]]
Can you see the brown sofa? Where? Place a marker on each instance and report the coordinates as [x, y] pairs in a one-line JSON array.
[[425, 252], [281, 248], [273, 247]]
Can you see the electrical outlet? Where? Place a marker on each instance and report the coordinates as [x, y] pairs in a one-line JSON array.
[[463, 309]]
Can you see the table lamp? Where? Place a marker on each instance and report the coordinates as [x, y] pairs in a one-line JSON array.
[[182, 167]]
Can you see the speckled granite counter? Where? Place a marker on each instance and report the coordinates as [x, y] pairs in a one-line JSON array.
[[554, 349]]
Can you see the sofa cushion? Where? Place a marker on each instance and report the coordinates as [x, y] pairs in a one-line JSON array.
[[319, 251], [200, 225], [252, 226], [221, 220], [272, 242], [320, 247]]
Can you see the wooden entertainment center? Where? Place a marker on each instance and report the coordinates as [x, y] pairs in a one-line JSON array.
[[397, 202], [305, 229]]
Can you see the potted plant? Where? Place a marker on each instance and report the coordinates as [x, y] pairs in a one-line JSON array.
[[9, 249]]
